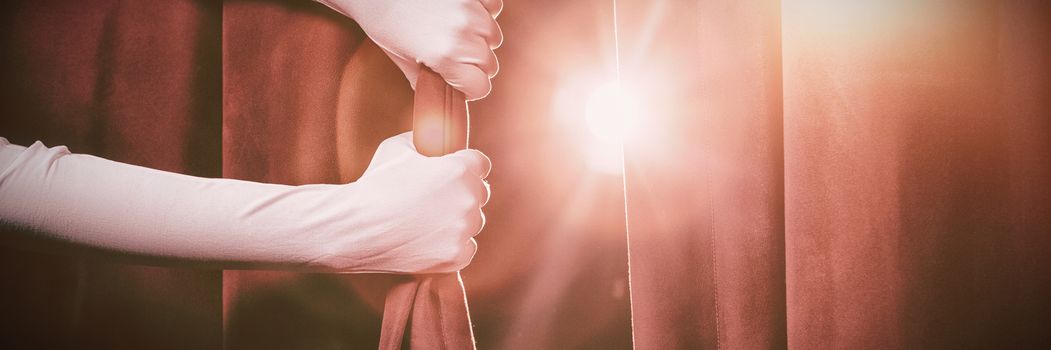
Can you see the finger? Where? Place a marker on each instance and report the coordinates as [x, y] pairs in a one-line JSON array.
[[487, 193], [482, 57], [464, 254], [481, 193], [486, 27], [494, 36], [491, 66], [498, 37], [476, 162], [475, 221], [493, 6], [468, 78], [467, 253], [480, 224]]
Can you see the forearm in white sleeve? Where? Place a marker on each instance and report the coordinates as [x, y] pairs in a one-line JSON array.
[[100, 203], [87, 200]]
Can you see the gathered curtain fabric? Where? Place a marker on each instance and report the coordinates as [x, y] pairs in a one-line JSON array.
[[851, 175]]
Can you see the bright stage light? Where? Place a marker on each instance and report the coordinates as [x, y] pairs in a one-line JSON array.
[[611, 113], [598, 117]]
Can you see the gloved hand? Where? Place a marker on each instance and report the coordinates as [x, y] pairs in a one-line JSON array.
[[455, 38], [429, 209], [407, 214]]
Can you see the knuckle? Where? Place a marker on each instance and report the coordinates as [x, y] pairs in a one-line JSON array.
[[459, 170], [467, 253], [455, 256], [463, 228], [446, 58], [446, 254], [472, 248], [461, 25], [481, 222], [452, 255], [493, 66], [487, 194], [469, 204], [441, 54], [446, 170], [464, 29]]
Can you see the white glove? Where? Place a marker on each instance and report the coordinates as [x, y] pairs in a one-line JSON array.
[[407, 214], [455, 38]]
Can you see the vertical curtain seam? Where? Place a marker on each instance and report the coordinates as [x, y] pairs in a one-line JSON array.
[[714, 259], [784, 156], [711, 228]]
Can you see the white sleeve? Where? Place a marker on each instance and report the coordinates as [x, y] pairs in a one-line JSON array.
[[92, 201], [407, 213]]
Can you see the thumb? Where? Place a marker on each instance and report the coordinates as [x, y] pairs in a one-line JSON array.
[[468, 78], [392, 149]]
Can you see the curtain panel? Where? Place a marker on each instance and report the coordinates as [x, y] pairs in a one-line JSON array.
[[855, 175]]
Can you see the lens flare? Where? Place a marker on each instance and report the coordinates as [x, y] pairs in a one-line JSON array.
[[598, 118], [610, 113]]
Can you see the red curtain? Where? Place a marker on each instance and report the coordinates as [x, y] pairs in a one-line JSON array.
[[871, 174], [820, 174], [303, 102], [136, 82]]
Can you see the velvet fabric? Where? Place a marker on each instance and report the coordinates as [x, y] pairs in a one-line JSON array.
[[856, 175], [322, 103], [274, 91], [117, 80], [813, 174]]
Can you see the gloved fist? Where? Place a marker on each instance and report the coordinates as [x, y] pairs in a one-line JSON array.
[[429, 208], [455, 38]]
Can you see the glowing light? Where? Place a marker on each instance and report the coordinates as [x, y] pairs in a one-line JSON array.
[[599, 123], [610, 113], [606, 158]]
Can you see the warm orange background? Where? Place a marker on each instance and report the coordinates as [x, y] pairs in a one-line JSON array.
[[809, 174]]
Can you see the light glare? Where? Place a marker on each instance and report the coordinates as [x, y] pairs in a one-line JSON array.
[[610, 113]]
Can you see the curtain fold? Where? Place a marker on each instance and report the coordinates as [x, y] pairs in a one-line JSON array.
[[117, 80], [914, 217], [704, 179], [812, 174], [865, 174]]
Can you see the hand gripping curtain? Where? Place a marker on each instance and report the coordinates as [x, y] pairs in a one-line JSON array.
[[430, 311], [329, 100]]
